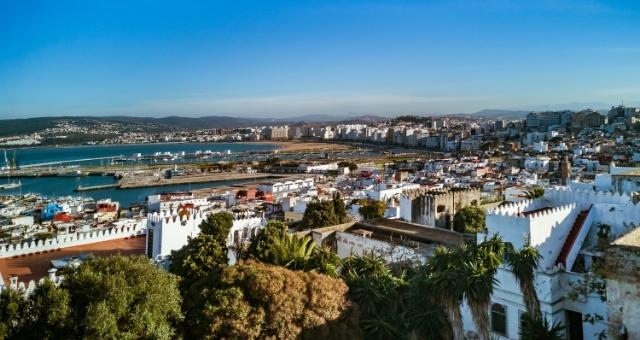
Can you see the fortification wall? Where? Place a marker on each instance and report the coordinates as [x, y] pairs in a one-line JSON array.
[[75, 239]]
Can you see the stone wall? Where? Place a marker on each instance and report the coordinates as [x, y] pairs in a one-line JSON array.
[[435, 208], [623, 289]]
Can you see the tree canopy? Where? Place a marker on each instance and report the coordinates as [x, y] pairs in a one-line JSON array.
[[118, 297], [469, 219], [324, 213], [123, 297], [204, 253], [371, 208], [254, 300]]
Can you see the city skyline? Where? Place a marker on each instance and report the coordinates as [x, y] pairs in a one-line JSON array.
[[288, 59]]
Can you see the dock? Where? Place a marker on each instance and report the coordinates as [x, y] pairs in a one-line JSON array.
[[96, 187]]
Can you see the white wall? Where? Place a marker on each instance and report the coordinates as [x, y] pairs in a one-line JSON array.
[[76, 239]]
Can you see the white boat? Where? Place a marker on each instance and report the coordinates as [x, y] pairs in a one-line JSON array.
[[12, 185]]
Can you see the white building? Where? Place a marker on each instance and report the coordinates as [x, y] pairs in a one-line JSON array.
[[563, 226], [171, 230]]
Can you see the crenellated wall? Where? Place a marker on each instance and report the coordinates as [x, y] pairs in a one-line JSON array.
[[546, 229], [75, 239], [171, 230], [432, 208]]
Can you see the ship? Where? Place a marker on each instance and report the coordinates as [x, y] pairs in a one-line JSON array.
[[12, 185]]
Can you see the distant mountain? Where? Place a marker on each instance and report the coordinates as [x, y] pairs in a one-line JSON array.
[[11, 127], [500, 114]]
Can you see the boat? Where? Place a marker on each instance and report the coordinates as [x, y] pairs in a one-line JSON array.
[[12, 185]]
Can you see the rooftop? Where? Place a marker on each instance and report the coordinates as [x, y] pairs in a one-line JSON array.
[[35, 266]]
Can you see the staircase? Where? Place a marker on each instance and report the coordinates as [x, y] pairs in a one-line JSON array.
[[571, 238]]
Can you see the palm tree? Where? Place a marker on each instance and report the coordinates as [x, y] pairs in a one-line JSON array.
[[534, 192], [447, 281], [378, 293], [291, 251], [533, 329], [523, 264], [482, 264], [324, 261]]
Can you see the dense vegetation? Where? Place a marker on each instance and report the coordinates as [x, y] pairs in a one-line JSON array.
[[284, 287]]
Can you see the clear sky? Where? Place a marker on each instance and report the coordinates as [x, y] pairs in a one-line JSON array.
[[285, 58]]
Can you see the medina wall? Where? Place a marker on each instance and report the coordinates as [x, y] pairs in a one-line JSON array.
[[435, 208]]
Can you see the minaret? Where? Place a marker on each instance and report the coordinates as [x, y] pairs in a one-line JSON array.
[[565, 171]]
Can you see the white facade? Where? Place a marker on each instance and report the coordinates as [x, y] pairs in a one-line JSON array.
[[545, 223], [170, 230]]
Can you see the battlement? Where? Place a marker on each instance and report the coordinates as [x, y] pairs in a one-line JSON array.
[[414, 193], [74, 239], [530, 209], [190, 214], [584, 198]]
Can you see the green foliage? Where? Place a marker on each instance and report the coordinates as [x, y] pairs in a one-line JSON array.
[[254, 300], [260, 246], [274, 245], [469, 220], [539, 328], [204, 253], [351, 165], [48, 312], [324, 261], [12, 313], [200, 256], [291, 251], [371, 208], [218, 225], [43, 236], [122, 297], [534, 192], [378, 293], [324, 213], [523, 263]]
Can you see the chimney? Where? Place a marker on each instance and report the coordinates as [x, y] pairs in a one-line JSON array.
[[13, 281], [52, 274]]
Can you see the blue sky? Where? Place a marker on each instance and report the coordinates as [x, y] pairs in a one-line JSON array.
[[288, 58]]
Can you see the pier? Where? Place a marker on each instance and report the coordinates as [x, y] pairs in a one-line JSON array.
[[96, 187]]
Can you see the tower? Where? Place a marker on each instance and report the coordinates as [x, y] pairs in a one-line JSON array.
[[565, 171]]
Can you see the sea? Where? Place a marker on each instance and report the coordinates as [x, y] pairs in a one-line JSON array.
[[63, 186]]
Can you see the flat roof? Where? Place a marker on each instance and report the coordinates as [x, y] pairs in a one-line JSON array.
[[416, 232], [36, 266]]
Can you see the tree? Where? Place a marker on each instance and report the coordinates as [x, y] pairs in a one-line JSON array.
[[523, 264], [446, 280], [540, 328], [12, 313], [371, 209], [469, 220], [378, 293], [122, 297], [199, 257], [204, 253], [324, 261], [254, 300], [324, 213], [482, 264], [534, 192], [260, 247], [47, 312], [217, 225], [351, 165], [291, 251]]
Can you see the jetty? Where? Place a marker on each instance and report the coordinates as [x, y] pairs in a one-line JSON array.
[[96, 187]]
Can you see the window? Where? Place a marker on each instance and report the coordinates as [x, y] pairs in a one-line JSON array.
[[440, 208], [499, 319]]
